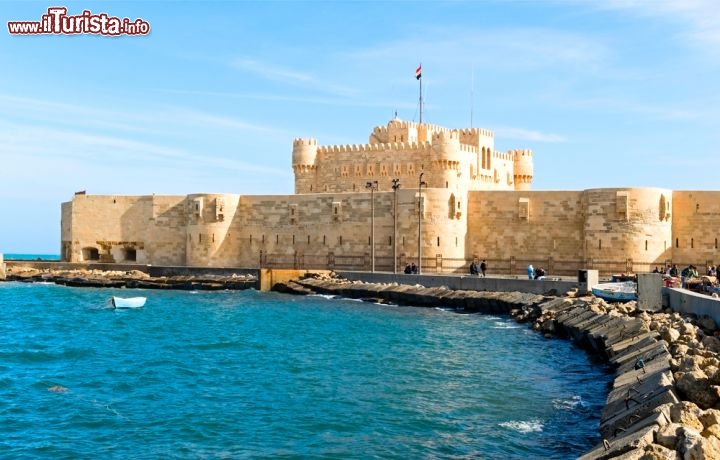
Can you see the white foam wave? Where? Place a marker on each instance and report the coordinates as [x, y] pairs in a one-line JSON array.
[[501, 325], [524, 426], [568, 404], [324, 296]]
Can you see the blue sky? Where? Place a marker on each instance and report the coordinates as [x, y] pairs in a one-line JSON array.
[[606, 93]]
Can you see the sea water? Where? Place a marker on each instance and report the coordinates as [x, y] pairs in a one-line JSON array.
[[243, 374]]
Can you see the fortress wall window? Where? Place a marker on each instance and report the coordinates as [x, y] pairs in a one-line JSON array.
[[599, 244], [263, 239], [277, 239], [621, 205], [438, 241], [199, 237], [446, 184], [692, 243], [293, 239], [456, 241], [250, 239], [715, 243], [324, 239], [369, 241], [403, 243], [311, 187], [389, 240], [677, 242], [340, 240], [646, 245], [213, 237], [524, 208], [308, 239]]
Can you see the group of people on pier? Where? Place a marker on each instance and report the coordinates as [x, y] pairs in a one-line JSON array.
[[478, 269]]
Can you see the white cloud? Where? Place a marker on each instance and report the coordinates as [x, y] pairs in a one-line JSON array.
[[528, 135], [699, 18]]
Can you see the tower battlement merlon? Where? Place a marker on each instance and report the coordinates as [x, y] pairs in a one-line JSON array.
[[304, 141]]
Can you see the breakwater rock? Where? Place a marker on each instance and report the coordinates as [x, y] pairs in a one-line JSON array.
[[664, 402], [133, 279]]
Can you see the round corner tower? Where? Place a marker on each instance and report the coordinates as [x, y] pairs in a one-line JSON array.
[[523, 169], [303, 163], [446, 158]]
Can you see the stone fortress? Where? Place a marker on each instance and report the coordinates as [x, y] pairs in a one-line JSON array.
[[457, 199]]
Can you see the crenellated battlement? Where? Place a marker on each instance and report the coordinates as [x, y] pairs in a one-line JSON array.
[[304, 142], [397, 146]]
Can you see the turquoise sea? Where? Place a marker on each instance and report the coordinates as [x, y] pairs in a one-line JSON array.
[[243, 374], [17, 256]]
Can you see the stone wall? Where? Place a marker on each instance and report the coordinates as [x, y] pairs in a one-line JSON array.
[[696, 228], [527, 227]]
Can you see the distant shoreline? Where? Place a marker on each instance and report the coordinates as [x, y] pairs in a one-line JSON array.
[[29, 256]]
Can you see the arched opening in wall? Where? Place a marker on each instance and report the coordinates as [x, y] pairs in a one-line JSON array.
[[90, 254], [599, 244], [130, 254], [677, 242], [326, 187]]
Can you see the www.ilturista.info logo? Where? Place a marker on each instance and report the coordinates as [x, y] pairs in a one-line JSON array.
[[56, 21]]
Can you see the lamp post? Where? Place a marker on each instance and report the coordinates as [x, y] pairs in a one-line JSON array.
[[420, 184], [395, 187], [372, 186]]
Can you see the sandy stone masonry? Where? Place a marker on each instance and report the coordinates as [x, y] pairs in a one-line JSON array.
[[475, 203]]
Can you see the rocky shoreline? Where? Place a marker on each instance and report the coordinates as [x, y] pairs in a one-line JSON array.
[[133, 279], [665, 399]]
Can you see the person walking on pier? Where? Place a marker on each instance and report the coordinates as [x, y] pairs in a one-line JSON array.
[[531, 272], [483, 267]]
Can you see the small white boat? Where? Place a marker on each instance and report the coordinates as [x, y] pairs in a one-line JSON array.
[[128, 302], [616, 292]]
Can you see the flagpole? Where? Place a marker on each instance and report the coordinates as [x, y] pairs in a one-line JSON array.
[[421, 102]]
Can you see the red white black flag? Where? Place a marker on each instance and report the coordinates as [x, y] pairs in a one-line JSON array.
[[418, 72]]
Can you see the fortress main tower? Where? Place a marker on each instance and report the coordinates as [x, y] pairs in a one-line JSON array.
[[458, 159]]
